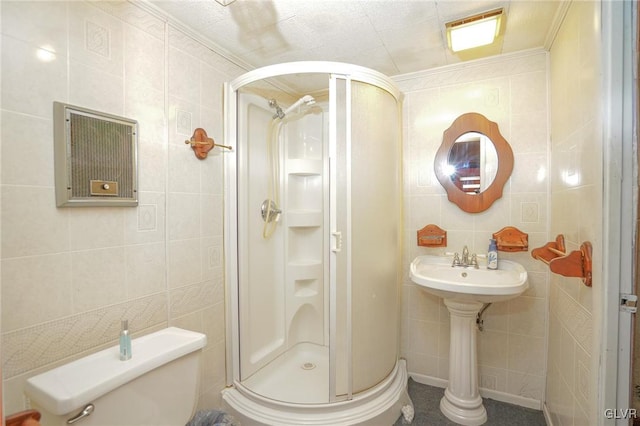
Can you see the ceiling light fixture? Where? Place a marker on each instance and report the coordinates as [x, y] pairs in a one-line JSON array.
[[474, 31]]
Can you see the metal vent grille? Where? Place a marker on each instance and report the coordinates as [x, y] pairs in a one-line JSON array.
[[95, 158], [100, 150]]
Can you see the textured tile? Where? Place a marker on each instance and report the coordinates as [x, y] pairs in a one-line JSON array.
[[134, 15], [183, 216], [576, 319], [424, 337], [184, 262], [35, 289], [527, 316], [145, 104], [27, 166], [30, 85], [35, 22], [96, 39], [144, 55], [448, 75], [98, 278], [146, 224], [33, 347], [145, 269], [422, 305], [212, 208], [192, 298], [31, 223], [96, 227], [96, 89]]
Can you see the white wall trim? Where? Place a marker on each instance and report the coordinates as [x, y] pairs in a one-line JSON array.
[[561, 13], [618, 208], [547, 415], [484, 392], [468, 64], [161, 14]]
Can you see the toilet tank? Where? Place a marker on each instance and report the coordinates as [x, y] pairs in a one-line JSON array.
[[158, 386]]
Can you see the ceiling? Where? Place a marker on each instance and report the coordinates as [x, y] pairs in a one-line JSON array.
[[391, 36]]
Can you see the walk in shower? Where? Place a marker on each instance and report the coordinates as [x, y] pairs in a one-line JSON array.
[[313, 246]]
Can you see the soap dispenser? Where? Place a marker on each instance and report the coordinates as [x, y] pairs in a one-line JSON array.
[[492, 255], [125, 341]]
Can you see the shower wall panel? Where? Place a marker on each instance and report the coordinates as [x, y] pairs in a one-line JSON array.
[[262, 297], [282, 301], [303, 202]]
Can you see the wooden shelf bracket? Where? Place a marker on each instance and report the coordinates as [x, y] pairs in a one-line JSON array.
[[432, 236], [511, 239], [578, 263]]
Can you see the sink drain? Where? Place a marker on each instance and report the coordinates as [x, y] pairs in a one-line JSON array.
[[308, 366]]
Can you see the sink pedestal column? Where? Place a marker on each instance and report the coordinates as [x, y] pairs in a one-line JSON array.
[[462, 402]]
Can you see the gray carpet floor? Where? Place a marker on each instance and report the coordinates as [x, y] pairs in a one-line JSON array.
[[426, 404]]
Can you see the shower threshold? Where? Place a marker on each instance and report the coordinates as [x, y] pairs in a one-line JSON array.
[[381, 405], [300, 375]]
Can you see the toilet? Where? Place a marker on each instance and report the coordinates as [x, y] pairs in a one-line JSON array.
[[158, 386]]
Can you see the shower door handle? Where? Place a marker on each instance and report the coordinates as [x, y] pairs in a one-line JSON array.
[[337, 242]]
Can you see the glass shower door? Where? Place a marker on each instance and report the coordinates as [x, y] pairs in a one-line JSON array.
[[375, 186], [340, 245], [365, 240]]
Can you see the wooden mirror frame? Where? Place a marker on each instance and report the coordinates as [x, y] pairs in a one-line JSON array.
[[474, 122]]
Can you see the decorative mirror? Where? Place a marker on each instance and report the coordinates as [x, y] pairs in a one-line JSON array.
[[473, 163]]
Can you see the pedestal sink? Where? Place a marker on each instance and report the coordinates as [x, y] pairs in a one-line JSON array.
[[465, 290]]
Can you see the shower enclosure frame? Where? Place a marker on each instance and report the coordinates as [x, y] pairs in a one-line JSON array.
[[391, 392]]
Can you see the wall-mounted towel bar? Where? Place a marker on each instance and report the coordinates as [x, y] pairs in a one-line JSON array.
[[202, 144], [578, 263]]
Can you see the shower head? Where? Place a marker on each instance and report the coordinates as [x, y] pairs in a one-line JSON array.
[[306, 100]]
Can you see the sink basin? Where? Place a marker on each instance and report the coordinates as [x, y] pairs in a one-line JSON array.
[[436, 275]]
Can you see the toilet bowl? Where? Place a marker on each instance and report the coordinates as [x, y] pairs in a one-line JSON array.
[[158, 386]]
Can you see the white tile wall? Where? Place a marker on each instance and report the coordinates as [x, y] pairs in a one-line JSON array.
[[166, 255], [576, 206], [512, 92], [70, 274]]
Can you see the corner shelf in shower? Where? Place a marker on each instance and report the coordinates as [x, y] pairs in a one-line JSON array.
[[304, 218], [577, 264], [303, 269], [304, 167]]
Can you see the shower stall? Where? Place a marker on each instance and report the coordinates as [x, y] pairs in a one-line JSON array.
[[313, 246]]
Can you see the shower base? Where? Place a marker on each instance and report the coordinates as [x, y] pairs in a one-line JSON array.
[[300, 375], [381, 404]]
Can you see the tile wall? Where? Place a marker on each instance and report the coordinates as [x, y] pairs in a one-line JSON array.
[[69, 275], [512, 91], [576, 211], [61, 300]]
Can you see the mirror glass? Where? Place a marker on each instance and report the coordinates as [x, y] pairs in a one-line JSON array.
[[472, 163]]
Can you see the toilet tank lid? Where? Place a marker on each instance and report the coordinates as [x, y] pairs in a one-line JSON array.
[[73, 385]]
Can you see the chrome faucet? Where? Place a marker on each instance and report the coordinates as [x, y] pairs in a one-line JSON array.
[[465, 262], [465, 256]]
